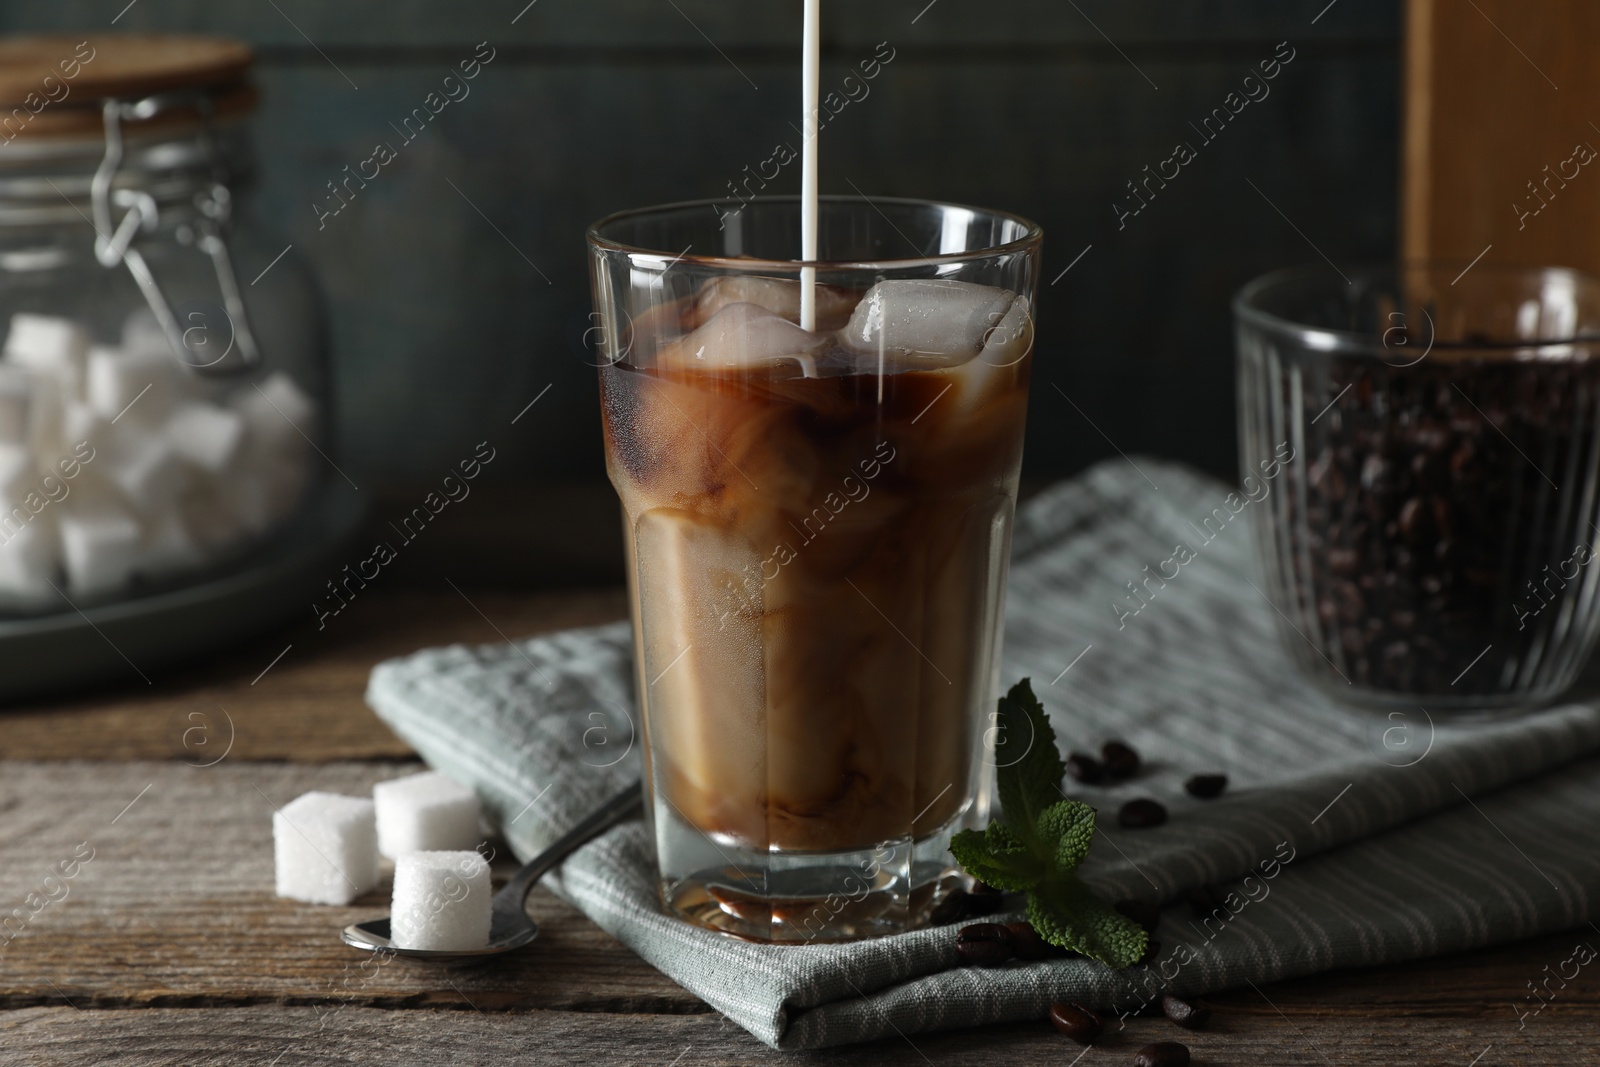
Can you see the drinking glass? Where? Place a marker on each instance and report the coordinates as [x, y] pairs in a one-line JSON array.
[[817, 524], [1433, 431]]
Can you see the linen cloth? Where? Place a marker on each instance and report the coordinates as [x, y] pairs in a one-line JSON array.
[[1347, 838]]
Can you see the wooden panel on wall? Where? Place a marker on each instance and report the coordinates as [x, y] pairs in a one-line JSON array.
[[1502, 100], [443, 331]]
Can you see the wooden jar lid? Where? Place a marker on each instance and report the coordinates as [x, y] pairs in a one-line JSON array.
[[53, 85]]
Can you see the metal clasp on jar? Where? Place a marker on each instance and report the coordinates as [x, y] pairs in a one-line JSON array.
[[215, 207]]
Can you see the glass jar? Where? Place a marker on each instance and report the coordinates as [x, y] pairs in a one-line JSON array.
[[163, 384], [1434, 438]]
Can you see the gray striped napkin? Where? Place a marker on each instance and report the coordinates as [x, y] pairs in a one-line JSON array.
[[1345, 838]]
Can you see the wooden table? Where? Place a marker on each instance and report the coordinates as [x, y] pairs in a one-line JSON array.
[[170, 947]]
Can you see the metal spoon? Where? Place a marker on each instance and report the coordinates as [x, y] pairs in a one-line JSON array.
[[510, 927]]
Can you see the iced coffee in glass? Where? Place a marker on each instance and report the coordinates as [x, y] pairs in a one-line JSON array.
[[818, 492]]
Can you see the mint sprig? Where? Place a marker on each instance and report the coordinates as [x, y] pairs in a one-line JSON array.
[[1041, 837]]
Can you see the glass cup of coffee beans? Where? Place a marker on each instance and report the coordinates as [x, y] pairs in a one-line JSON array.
[[1421, 446]]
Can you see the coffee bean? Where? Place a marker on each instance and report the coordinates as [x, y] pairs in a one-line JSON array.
[[951, 909], [1187, 1015], [1162, 1054], [1344, 561], [984, 945], [983, 900], [1411, 516], [1076, 1021], [1086, 769], [1146, 915], [1206, 786], [1141, 813], [1120, 759], [1026, 943], [1206, 901]]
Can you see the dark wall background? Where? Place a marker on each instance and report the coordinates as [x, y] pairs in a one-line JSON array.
[[445, 328]]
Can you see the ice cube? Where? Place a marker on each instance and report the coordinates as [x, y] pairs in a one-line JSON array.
[[997, 366], [744, 337], [425, 812], [325, 848], [935, 322], [101, 543], [441, 901], [50, 346], [16, 400], [206, 435], [780, 296]]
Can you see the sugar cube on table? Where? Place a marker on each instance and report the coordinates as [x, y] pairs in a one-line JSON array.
[[101, 542], [442, 901], [425, 812], [325, 847]]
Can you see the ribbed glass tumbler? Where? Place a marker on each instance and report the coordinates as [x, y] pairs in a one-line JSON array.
[[1433, 438]]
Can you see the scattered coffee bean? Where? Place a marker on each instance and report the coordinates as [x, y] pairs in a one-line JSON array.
[[1206, 901], [1162, 1054], [1142, 813], [1076, 1021], [1146, 915], [983, 900], [1086, 769], [1187, 1015], [1026, 944], [1121, 761], [984, 944], [1152, 951], [950, 909], [1206, 786]]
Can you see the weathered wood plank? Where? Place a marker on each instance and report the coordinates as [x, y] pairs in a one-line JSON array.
[[71, 1038], [176, 905], [176, 908], [308, 706]]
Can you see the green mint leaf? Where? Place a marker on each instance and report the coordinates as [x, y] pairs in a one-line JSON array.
[[1067, 829], [997, 857], [1030, 767], [1067, 914], [1041, 837]]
